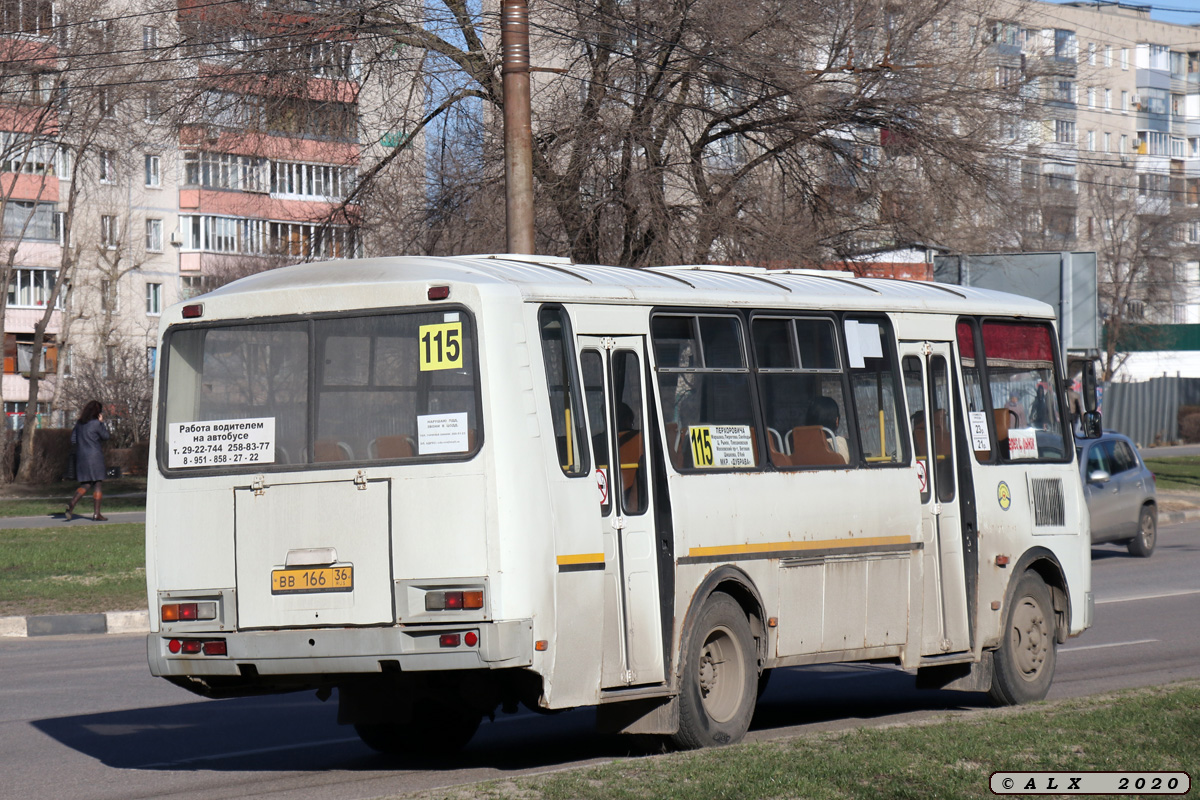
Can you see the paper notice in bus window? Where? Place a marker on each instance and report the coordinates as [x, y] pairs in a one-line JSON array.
[[862, 342], [979, 431], [1022, 443], [221, 443], [721, 446], [442, 433]]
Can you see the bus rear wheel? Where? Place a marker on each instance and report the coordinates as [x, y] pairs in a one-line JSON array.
[[1024, 664], [433, 730], [719, 677]]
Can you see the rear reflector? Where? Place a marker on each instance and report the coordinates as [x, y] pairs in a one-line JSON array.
[[193, 311], [215, 648], [449, 640], [470, 638], [195, 647], [438, 292]]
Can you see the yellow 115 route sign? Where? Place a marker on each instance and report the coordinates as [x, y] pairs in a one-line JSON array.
[[440, 346], [721, 446]]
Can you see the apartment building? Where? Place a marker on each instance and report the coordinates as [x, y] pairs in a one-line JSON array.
[[196, 169]]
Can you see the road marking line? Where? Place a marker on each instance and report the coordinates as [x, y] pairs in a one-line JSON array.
[[241, 753], [1148, 596], [1102, 646]]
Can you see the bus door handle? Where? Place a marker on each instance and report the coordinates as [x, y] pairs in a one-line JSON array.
[[618, 522]]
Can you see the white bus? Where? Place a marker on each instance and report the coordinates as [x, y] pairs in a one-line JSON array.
[[447, 485]]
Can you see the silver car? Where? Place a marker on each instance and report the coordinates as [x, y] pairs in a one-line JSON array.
[[1120, 493]]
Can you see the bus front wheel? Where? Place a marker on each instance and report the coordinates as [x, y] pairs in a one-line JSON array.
[[1024, 664], [719, 677]]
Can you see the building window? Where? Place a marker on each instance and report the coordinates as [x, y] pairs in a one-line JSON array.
[[1108, 55], [1092, 97], [225, 171], [192, 285], [1064, 131], [311, 180], [1091, 140], [149, 37], [1124, 101], [105, 166], [1108, 99], [110, 298], [153, 298], [1107, 142], [1124, 58], [153, 171], [27, 16], [108, 104], [1064, 91], [154, 237], [29, 221], [31, 288], [152, 107], [1123, 144], [151, 359], [109, 231]]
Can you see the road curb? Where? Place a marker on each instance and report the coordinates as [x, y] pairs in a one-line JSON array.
[[1178, 516], [66, 624]]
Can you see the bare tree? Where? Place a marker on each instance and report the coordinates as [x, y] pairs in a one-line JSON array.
[[124, 382], [1134, 228]]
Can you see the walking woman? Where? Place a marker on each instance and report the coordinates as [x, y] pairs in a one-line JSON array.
[[86, 437]]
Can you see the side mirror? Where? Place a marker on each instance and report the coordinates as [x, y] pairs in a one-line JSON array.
[[1090, 423], [1099, 476], [1089, 386]]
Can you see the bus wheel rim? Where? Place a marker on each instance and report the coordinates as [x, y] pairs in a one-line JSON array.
[[1030, 638], [721, 674]]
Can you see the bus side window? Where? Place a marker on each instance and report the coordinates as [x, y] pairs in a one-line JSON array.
[[874, 379], [631, 448], [802, 390], [705, 388], [563, 386], [592, 366]]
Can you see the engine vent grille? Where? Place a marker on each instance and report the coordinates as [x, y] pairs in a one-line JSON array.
[[1048, 502]]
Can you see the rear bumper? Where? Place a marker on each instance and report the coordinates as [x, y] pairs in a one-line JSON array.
[[326, 651]]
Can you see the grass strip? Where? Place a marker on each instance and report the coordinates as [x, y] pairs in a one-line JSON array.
[[48, 508], [1177, 472], [72, 569], [1155, 728]]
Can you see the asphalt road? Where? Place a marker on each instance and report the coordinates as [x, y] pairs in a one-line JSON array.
[[80, 717]]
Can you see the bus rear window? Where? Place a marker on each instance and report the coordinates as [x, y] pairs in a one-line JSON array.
[[373, 388]]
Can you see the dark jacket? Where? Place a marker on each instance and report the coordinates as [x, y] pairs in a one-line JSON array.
[[89, 457]]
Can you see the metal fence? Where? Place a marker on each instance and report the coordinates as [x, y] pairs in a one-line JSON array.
[[1148, 412]]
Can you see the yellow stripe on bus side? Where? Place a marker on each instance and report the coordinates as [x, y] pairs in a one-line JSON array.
[[582, 558], [772, 547]]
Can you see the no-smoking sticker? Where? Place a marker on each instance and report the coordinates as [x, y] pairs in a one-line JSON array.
[[602, 484], [922, 476]]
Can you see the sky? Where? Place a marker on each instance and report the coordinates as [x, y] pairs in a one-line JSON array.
[[1180, 12]]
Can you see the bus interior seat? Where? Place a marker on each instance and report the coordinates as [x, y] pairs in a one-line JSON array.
[[629, 459], [331, 450], [919, 436], [810, 448], [394, 446], [281, 455]]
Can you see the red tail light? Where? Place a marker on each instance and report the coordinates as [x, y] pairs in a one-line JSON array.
[[449, 639]]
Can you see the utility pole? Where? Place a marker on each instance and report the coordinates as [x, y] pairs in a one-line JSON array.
[[518, 129]]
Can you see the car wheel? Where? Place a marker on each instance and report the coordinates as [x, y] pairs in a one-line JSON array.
[[1023, 667], [1142, 545]]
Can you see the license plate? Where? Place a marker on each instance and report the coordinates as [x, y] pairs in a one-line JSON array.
[[315, 579]]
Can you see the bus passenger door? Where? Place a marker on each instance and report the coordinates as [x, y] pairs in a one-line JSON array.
[[614, 387], [927, 383]]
